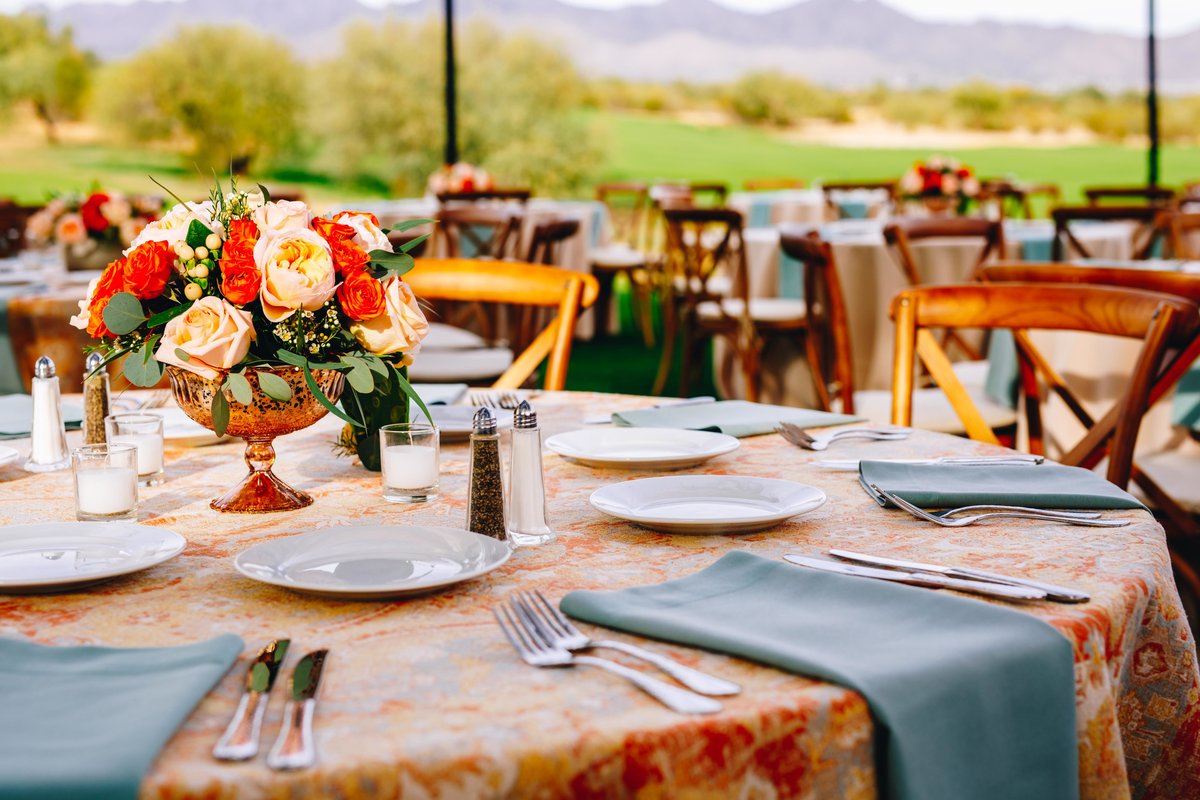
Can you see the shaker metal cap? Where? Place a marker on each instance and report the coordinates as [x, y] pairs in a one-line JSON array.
[[93, 362], [484, 421], [44, 368], [524, 418]]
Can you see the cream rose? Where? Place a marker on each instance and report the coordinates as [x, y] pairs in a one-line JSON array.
[[367, 234], [282, 215], [399, 329], [215, 335], [297, 272], [173, 227]]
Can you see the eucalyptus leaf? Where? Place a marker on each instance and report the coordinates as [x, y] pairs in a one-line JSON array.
[[330, 406], [376, 365], [409, 245], [220, 413], [240, 388], [142, 369], [183, 355], [396, 263], [123, 314], [197, 234], [274, 386], [408, 224], [361, 379]]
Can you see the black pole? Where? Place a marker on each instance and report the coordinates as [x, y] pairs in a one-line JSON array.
[[451, 90], [1152, 101]]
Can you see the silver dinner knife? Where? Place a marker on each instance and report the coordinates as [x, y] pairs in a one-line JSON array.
[[1059, 594], [927, 579], [295, 748], [851, 464], [240, 740]]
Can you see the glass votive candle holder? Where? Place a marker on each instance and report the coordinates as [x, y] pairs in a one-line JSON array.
[[106, 481], [409, 455], [145, 431]]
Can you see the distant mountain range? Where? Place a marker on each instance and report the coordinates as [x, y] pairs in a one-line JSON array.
[[835, 42]]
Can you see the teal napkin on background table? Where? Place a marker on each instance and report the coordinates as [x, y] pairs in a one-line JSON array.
[[90, 721], [950, 485], [734, 417], [16, 416], [971, 700]]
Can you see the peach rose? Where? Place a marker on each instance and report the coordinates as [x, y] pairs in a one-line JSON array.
[[297, 270], [215, 335], [282, 215], [70, 229], [367, 233], [399, 329]]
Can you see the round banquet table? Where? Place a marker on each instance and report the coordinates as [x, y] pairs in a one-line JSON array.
[[424, 697]]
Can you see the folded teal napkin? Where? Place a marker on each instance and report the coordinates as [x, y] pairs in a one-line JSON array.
[[89, 721], [16, 416], [734, 417], [950, 485], [970, 700]]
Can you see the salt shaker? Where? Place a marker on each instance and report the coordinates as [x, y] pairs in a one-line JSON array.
[[48, 435], [527, 488], [95, 400], [485, 484]]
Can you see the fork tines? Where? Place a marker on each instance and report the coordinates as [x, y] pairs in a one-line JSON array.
[[494, 399]]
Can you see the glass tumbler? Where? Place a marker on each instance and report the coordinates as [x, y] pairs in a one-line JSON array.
[[409, 454], [145, 431], [106, 481]]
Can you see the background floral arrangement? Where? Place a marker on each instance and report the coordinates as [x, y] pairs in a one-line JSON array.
[[83, 223], [237, 282], [940, 177], [460, 177]]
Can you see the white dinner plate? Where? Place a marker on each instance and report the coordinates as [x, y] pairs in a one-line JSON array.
[[641, 448], [372, 561], [8, 456], [455, 422], [60, 556], [181, 430], [707, 503]]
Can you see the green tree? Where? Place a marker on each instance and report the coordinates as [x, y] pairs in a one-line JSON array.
[[778, 99], [223, 95], [42, 68]]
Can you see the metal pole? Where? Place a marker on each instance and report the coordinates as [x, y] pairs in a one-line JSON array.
[[451, 90], [1152, 101]]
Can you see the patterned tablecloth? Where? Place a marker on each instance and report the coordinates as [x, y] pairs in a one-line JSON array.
[[424, 698]]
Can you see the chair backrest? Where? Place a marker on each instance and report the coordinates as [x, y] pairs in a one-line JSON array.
[[511, 195], [710, 194], [1141, 216], [515, 284], [902, 233], [546, 238], [1126, 195], [828, 189], [1015, 200], [1159, 320], [703, 243], [626, 204], [1179, 232], [479, 231], [772, 184]]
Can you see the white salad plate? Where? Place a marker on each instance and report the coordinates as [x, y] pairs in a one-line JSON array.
[[707, 504], [8, 456], [455, 422], [641, 448], [61, 556], [372, 561]]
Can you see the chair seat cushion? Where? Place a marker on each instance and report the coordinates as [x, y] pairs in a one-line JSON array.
[[972, 374], [1177, 472], [932, 410], [762, 309], [448, 337], [466, 366]]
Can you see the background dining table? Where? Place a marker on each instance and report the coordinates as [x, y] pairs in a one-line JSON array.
[[424, 697]]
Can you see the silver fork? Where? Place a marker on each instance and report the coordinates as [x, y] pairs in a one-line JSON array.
[[564, 634], [494, 399], [960, 522], [802, 438], [535, 649]]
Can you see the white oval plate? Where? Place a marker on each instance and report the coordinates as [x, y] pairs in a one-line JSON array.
[[181, 430], [454, 422], [372, 561], [8, 456], [641, 448], [707, 503], [60, 556]]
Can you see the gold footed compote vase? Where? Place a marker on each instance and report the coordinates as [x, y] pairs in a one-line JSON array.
[[259, 423]]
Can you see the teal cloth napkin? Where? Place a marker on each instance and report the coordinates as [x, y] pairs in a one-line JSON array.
[[853, 209], [1185, 408], [734, 417], [951, 485], [971, 700], [16, 416], [90, 721]]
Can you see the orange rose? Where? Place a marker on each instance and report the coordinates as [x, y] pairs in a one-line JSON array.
[[240, 280], [147, 269], [332, 231], [361, 297], [102, 289], [243, 235], [348, 258]]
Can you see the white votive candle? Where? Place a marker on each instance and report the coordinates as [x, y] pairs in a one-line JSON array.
[[106, 490], [408, 466], [149, 451]]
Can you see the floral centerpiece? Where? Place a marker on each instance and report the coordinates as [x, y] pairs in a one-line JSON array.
[[92, 229], [941, 183], [260, 312], [459, 178]]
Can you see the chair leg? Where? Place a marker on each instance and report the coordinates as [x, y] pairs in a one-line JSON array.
[[749, 359], [643, 307], [693, 352], [600, 309], [670, 334]]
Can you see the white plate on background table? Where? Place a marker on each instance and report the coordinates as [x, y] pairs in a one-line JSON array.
[[707, 504], [641, 448], [455, 422], [181, 430], [62, 556], [366, 562], [8, 456]]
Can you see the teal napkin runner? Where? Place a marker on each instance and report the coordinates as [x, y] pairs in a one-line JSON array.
[[16, 416], [734, 417], [971, 700], [90, 721], [952, 485]]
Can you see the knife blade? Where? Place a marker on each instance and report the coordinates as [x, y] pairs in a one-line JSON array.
[[294, 748], [1060, 594], [1001, 590], [240, 740], [851, 464]]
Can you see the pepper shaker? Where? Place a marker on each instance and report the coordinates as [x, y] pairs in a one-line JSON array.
[[48, 435], [95, 400], [485, 484], [527, 487]]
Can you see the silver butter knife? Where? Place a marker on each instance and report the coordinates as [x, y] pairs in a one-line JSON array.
[[295, 748], [1059, 594], [1002, 590], [851, 464], [240, 740]]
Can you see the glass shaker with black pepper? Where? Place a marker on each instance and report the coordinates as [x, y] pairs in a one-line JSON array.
[[485, 486], [95, 400]]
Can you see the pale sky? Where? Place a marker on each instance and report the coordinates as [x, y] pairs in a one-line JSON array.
[[1124, 16]]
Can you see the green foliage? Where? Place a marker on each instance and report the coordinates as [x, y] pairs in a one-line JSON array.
[[778, 99], [225, 95], [42, 68]]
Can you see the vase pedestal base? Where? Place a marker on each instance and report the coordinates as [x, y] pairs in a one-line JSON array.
[[261, 493]]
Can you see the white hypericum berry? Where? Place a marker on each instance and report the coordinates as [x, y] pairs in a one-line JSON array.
[[186, 252], [192, 291], [213, 242], [201, 252]]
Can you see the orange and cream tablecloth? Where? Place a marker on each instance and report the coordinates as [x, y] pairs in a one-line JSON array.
[[423, 697]]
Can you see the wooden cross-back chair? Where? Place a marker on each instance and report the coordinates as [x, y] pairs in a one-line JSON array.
[[561, 293], [709, 194], [1127, 195], [1161, 321], [545, 241], [833, 187], [772, 184], [627, 204], [1142, 217], [1015, 200], [486, 231], [1179, 232], [628, 253]]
